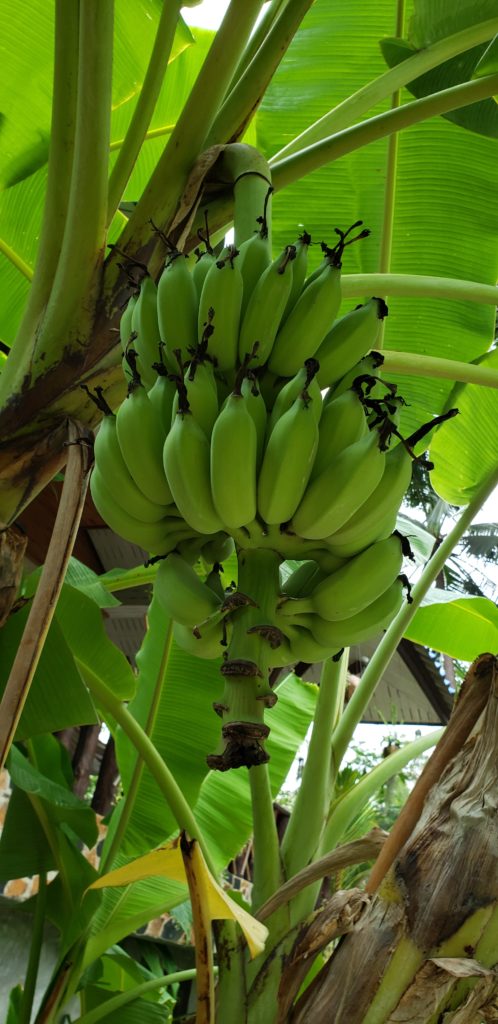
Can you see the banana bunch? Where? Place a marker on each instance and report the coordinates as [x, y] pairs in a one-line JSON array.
[[256, 421]]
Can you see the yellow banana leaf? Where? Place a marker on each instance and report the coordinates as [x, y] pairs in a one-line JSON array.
[[168, 862]]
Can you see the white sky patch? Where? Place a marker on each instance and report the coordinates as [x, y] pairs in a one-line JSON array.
[[209, 14]]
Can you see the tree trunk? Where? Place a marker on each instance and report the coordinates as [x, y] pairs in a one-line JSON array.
[[423, 950]]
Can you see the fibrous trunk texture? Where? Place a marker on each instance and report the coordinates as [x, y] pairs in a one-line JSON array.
[[422, 951]]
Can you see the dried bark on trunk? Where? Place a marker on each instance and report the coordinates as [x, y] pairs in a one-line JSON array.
[[438, 900], [83, 757], [103, 797], [13, 545]]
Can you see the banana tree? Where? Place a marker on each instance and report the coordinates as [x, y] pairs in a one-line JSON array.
[[137, 134]]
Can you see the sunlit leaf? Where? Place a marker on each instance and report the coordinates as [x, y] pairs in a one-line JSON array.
[[443, 224], [168, 862], [462, 628], [465, 449], [94, 653], [47, 709]]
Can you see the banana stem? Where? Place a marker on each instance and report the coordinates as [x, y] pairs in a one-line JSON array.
[[60, 162], [157, 767], [244, 99], [34, 951], [381, 658], [419, 286], [355, 106], [258, 37], [302, 835], [250, 175], [154, 78], [247, 690], [433, 366], [161, 197], [70, 309], [289, 169], [231, 987], [267, 874], [129, 799]]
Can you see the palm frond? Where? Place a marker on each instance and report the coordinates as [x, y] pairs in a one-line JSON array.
[[481, 541]]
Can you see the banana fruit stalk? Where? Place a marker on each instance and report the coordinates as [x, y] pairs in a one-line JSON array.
[[227, 443]]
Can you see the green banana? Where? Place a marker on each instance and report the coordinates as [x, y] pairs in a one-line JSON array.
[[254, 259], [360, 627], [218, 549], [299, 268], [114, 471], [356, 585], [265, 308], [335, 495], [233, 463], [125, 323], [202, 394], [126, 334], [158, 537], [219, 306], [205, 261], [302, 580], [326, 560], [349, 340], [368, 366], [211, 643], [342, 422], [288, 461], [270, 387], [177, 303], [162, 395], [307, 324], [215, 583], [304, 378], [321, 266], [376, 517], [257, 409], [186, 464], [141, 438], [181, 592], [302, 644], [255, 254], [145, 325]]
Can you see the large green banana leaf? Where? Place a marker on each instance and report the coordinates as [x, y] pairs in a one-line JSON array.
[[445, 213], [465, 449], [431, 22], [24, 134]]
